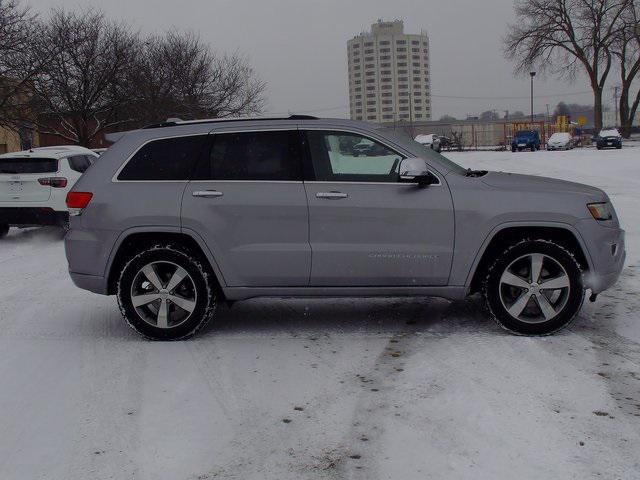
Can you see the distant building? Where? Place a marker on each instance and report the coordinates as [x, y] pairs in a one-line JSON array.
[[609, 119], [389, 76]]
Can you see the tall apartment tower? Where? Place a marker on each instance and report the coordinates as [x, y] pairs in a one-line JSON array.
[[389, 74]]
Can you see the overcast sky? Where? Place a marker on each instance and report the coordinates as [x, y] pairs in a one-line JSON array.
[[299, 47]]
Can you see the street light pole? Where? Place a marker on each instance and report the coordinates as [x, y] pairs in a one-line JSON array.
[[533, 74]]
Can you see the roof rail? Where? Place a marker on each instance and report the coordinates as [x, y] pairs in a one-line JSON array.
[[174, 122]]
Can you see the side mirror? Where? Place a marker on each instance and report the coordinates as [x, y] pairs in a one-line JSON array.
[[414, 170]]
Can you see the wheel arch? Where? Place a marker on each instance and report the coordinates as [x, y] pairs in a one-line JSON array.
[[133, 241], [508, 234]]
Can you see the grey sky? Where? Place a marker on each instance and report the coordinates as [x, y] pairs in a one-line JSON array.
[[299, 46]]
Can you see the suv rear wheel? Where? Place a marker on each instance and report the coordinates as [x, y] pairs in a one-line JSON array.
[[534, 287], [4, 230], [165, 293]]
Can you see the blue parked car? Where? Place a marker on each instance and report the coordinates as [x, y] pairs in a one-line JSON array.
[[526, 139]]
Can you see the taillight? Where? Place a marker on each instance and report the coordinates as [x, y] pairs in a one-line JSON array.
[[54, 182], [77, 201]]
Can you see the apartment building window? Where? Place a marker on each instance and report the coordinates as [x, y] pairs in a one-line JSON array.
[[417, 94], [385, 94], [416, 72], [385, 50], [385, 57], [402, 64], [404, 109], [371, 95], [417, 100], [368, 52], [385, 80], [388, 117], [357, 82], [356, 60], [370, 74], [402, 101], [358, 97], [371, 103], [385, 87], [371, 117], [358, 104], [356, 46], [401, 49], [426, 44], [368, 59], [385, 72], [416, 64], [369, 65], [383, 42], [371, 80], [371, 110], [356, 67], [402, 57], [401, 42], [385, 65], [404, 116], [358, 110], [416, 79], [415, 42], [387, 102], [387, 109], [402, 79], [418, 109], [415, 50], [415, 57], [403, 94], [371, 88], [368, 44], [402, 72]]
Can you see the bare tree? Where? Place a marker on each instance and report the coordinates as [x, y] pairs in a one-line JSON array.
[[20, 38], [567, 37], [80, 92], [626, 49], [177, 75]]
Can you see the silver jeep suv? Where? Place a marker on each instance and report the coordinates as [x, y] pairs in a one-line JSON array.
[[179, 216]]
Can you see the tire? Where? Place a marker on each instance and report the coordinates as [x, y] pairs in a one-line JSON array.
[[533, 148], [188, 305], [502, 296], [513, 149], [4, 230]]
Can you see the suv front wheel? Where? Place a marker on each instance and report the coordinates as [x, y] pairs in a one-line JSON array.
[[165, 293], [534, 287]]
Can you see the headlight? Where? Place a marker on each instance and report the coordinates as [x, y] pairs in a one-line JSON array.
[[600, 211]]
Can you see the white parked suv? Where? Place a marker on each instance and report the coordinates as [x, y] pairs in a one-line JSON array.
[[34, 185], [430, 140]]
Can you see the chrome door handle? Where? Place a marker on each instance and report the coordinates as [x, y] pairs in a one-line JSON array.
[[331, 195], [207, 193]]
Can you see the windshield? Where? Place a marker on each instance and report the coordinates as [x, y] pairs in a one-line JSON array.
[[609, 133], [559, 136], [28, 165], [525, 133]]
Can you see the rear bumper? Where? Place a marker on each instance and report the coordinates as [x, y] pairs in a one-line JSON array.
[[93, 283], [32, 216]]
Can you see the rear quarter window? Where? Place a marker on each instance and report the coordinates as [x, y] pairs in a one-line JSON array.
[[165, 159], [28, 165]]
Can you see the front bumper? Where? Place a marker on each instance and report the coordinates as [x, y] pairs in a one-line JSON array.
[[32, 216], [606, 246]]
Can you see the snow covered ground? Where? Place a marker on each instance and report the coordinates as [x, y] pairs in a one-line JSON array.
[[305, 389]]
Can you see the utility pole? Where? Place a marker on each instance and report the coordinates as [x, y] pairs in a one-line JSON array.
[[548, 115], [533, 74]]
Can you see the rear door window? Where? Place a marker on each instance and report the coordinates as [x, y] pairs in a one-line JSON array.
[[266, 155], [165, 159], [28, 165]]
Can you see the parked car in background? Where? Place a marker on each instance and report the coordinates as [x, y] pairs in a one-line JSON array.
[[178, 218], [430, 140], [610, 138], [34, 185], [560, 141], [525, 140]]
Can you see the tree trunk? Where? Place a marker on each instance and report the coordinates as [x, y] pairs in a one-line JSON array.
[[597, 108], [626, 120]]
